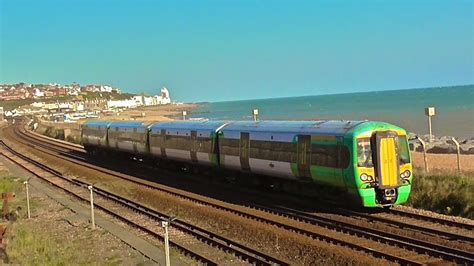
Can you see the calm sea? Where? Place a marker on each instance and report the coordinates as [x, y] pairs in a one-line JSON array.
[[454, 109]]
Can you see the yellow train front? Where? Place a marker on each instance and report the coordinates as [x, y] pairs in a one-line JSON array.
[[382, 166]]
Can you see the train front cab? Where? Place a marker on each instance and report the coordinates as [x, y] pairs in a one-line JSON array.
[[383, 171]]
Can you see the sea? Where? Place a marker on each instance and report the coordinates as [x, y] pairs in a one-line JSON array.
[[454, 107]]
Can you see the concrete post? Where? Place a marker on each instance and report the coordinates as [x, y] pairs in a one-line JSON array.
[[424, 153], [458, 154], [27, 199], [92, 206], [167, 243]]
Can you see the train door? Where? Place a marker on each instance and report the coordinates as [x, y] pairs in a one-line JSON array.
[[194, 146], [163, 143], [244, 151], [304, 156], [133, 139], [343, 160], [387, 161]]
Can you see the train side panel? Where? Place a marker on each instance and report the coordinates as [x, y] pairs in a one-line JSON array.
[[304, 150], [187, 141], [94, 134], [128, 137]]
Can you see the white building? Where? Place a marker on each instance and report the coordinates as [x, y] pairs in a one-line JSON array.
[[106, 88], [141, 100], [38, 93], [164, 98], [130, 103]]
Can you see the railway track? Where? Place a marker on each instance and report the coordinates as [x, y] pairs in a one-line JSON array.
[[241, 251], [431, 219], [420, 247]]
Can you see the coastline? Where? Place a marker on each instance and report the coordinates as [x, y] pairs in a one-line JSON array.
[[149, 114]]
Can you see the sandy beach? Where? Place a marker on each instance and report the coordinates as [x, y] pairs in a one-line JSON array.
[[445, 162], [150, 114]]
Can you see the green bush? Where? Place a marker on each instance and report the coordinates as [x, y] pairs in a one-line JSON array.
[[445, 193]]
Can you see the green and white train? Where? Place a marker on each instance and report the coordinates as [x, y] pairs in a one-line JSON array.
[[365, 160]]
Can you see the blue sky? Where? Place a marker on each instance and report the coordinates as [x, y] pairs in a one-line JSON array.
[[231, 50]]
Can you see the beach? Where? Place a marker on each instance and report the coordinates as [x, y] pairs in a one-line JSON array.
[[444, 162], [149, 114]]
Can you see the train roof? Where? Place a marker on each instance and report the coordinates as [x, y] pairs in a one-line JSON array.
[[96, 123], [127, 124], [191, 125], [338, 127]]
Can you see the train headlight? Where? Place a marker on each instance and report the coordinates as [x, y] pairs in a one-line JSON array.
[[364, 177], [370, 178], [405, 174]]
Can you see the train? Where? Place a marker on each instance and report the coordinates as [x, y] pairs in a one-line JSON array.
[[368, 162]]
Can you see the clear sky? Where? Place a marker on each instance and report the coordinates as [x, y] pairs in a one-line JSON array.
[[238, 49]]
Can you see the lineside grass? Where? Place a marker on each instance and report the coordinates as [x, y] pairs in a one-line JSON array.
[[444, 192], [27, 247]]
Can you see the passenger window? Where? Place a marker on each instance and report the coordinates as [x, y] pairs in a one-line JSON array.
[[324, 155], [364, 153], [345, 156], [403, 150]]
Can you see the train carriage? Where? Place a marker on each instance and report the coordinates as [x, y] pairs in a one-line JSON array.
[[189, 141], [309, 151], [94, 135], [333, 153], [128, 136]]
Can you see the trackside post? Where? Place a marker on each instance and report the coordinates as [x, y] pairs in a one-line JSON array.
[[458, 153], [92, 206], [27, 199], [424, 153], [165, 224]]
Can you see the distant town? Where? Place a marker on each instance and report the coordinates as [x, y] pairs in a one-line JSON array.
[[69, 103]]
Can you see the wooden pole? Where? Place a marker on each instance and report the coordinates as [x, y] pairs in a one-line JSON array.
[[458, 154], [424, 153]]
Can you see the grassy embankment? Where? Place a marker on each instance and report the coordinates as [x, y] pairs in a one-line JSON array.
[[26, 246], [444, 192], [47, 239]]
